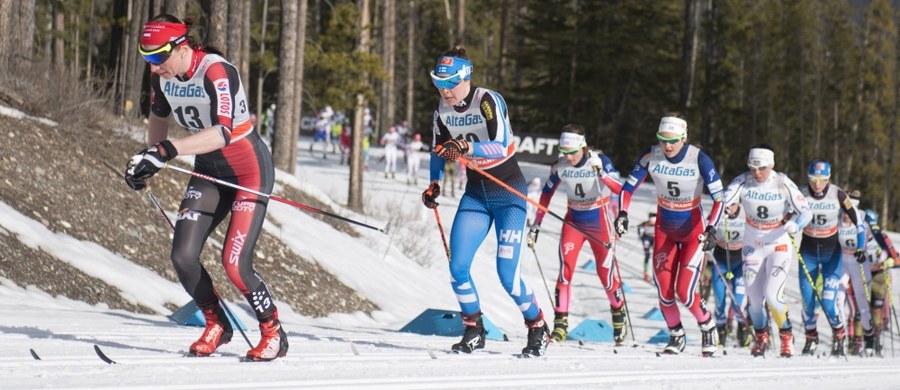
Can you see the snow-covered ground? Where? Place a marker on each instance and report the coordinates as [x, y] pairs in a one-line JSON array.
[[356, 350]]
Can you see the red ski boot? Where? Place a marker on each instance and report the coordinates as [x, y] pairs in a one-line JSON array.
[[273, 343], [218, 331], [787, 342], [762, 342]]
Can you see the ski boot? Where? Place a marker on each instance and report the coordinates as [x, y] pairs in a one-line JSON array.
[[676, 341], [273, 342], [856, 346], [869, 342], [744, 338], [560, 328], [538, 337], [218, 331], [877, 343], [709, 338], [837, 341], [812, 342], [762, 343], [473, 336], [723, 335], [618, 320], [787, 342]]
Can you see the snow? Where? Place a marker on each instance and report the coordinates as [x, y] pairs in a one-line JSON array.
[[362, 351]]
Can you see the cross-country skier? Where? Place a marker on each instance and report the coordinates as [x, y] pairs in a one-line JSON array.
[[473, 122], [852, 238], [767, 197], [646, 231], [679, 171], [206, 94], [588, 184], [883, 256], [821, 253], [727, 255]]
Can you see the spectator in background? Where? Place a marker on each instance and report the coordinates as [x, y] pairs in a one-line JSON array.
[[412, 164], [390, 141]]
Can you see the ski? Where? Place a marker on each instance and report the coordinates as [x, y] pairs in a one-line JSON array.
[[34, 354], [103, 356]]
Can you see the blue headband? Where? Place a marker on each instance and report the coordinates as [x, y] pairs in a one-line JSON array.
[[452, 65]]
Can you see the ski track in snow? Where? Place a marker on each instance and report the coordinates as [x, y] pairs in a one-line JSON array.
[[347, 351]]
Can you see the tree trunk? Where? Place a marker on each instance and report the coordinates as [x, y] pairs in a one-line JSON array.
[[282, 141], [460, 22], [411, 61], [261, 76], [501, 56], [135, 68], [218, 20], [712, 63], [389, 43], [689, 51], [59, 47], [298, 78], [573, 62], [235, 33], [6, 32], [354, 195], [176, 8], [247, 7], [451, 36]]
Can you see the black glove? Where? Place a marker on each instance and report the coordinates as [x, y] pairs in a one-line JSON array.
[[860, 256], [147, 162], [429, 197], [533, 235], [622, 223], [707, 239], [452, 149], [135, 184]]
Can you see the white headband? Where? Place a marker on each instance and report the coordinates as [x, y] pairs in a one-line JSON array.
[[671, 124], [760, 157], [570, 142]]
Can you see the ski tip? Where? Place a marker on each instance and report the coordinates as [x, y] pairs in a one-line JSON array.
[[431, 354], [580, 342], [34, 354], [658, 354], [103, 356], [387, 228], [615, 352]]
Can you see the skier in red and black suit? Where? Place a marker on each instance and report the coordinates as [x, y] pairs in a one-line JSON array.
[[207, 97]]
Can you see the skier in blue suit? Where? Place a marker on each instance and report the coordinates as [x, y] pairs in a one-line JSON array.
[[473, 123]]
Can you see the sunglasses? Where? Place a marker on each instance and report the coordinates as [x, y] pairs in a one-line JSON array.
[[760, 169], [818, 180], [667, 140], [573, 151], [449, 82], [159, 55]]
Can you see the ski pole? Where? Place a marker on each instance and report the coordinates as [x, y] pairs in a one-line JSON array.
[[543, 278], [225, 307], [728, 275], [809, 278], [277, 198], [737, 308], [537, 204], [862, 274], [890, 302], [437, 218], [624, 301]]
